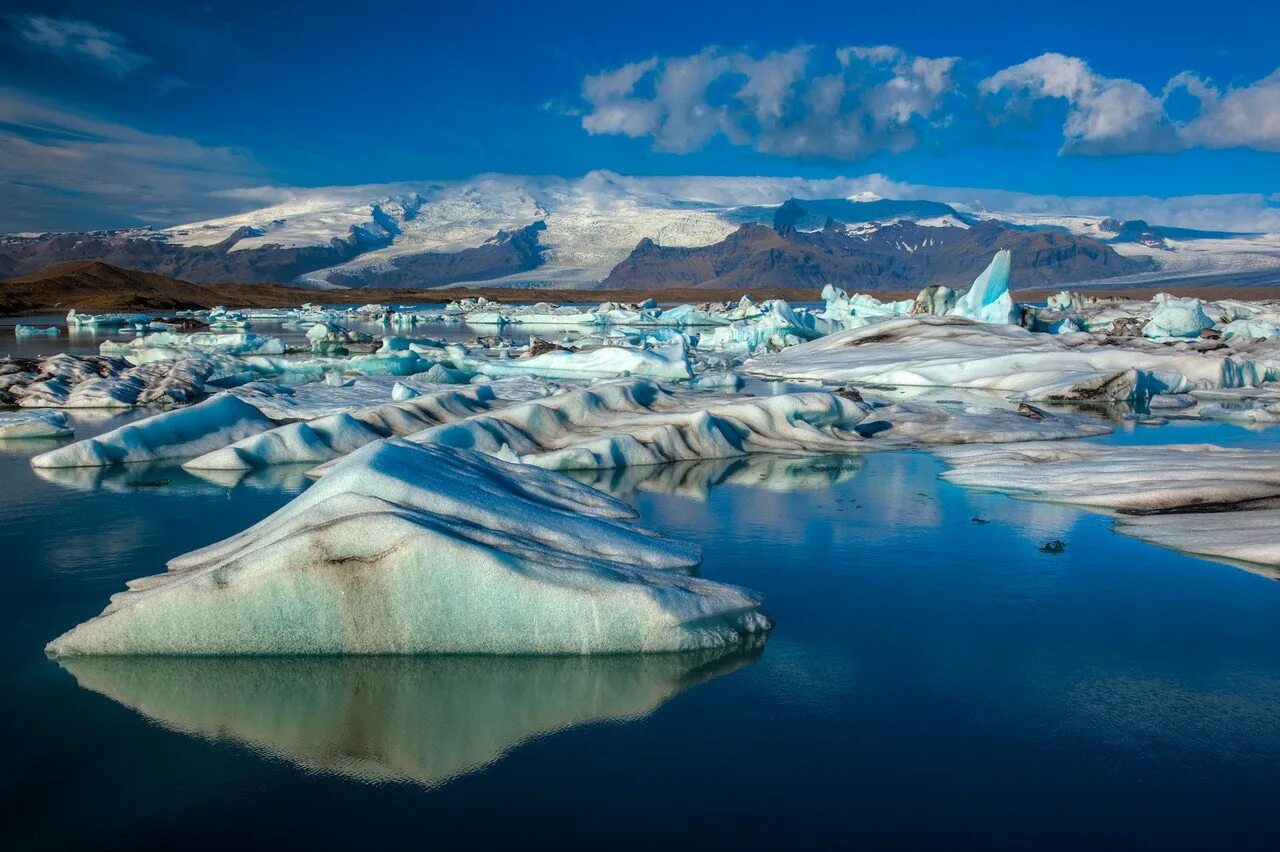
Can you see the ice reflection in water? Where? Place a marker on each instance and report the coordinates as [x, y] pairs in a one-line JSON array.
[[425, 720], [695, 479]]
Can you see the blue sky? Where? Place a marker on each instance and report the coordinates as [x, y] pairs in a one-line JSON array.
[[126, 113]]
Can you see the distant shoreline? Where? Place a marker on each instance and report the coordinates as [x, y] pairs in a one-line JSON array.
[[93, 287]]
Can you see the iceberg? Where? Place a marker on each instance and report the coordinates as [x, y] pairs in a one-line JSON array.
[[1006, 359], [988, 299], [20, 330], [412, 549], [181, 433], [1249, 540], [94, 381], [668, 362], [335, 435], [1172, 317], [33, 424], [1135, 479], [637, 422], [242, 343]]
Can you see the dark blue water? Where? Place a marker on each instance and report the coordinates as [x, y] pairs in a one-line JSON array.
[[932, 683]]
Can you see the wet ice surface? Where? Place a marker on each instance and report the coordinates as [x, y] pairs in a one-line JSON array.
[[929, 676]]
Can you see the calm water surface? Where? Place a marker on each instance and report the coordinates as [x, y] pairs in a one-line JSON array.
[[932, 682]]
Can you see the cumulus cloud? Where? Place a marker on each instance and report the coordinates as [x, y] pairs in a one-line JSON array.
[[1104, 116], [1108, 115], [867, 99], [77, 41], [64, 169], [1248, 116]]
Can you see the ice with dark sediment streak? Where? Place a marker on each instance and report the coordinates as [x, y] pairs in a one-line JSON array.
[[410, 549], [1132, 479], [637, 422], [181, 433], [330, 437], [1008, 360], [1211, 501], [1249, 540], [423, 720]]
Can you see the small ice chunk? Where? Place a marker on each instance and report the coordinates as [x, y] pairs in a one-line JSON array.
[[33, 424]]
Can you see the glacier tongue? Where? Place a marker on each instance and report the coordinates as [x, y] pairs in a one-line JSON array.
[[406, 549]]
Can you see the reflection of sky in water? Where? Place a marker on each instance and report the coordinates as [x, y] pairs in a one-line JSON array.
[[929, 677]]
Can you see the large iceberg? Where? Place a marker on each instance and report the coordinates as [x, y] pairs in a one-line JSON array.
[[407, 549], [1173, 317]]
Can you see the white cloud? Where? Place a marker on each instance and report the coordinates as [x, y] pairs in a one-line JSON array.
[[60, 168], [872, 100], [1248, 116], [74, 40], [1107, 115]]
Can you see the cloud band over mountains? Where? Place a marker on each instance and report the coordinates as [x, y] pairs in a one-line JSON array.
[[856, 101]]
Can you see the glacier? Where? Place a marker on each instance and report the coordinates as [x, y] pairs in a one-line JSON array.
[[411, 549]]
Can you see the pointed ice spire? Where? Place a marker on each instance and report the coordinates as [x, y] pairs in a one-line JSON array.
[[988, 299]]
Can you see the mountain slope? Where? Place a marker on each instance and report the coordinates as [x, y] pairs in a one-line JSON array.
[[551, 232], [894, 257]]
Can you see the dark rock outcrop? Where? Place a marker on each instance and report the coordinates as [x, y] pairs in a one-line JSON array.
[[901, 256]]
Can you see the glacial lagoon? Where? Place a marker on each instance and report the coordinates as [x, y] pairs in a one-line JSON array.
[[933, 674]]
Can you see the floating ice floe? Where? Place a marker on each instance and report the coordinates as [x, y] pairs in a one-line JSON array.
[[181, 433], [336, 435], [1007, 359], [1132, 479], [667, 362], [637, 422], [1244, 539], [94, 381], [408, 549], [78, 320], [240, 343], [20, 330], [776, 327], [1212, 501], [33, 424]]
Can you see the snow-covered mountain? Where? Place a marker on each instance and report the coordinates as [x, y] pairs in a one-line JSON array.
[[551, 231]]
